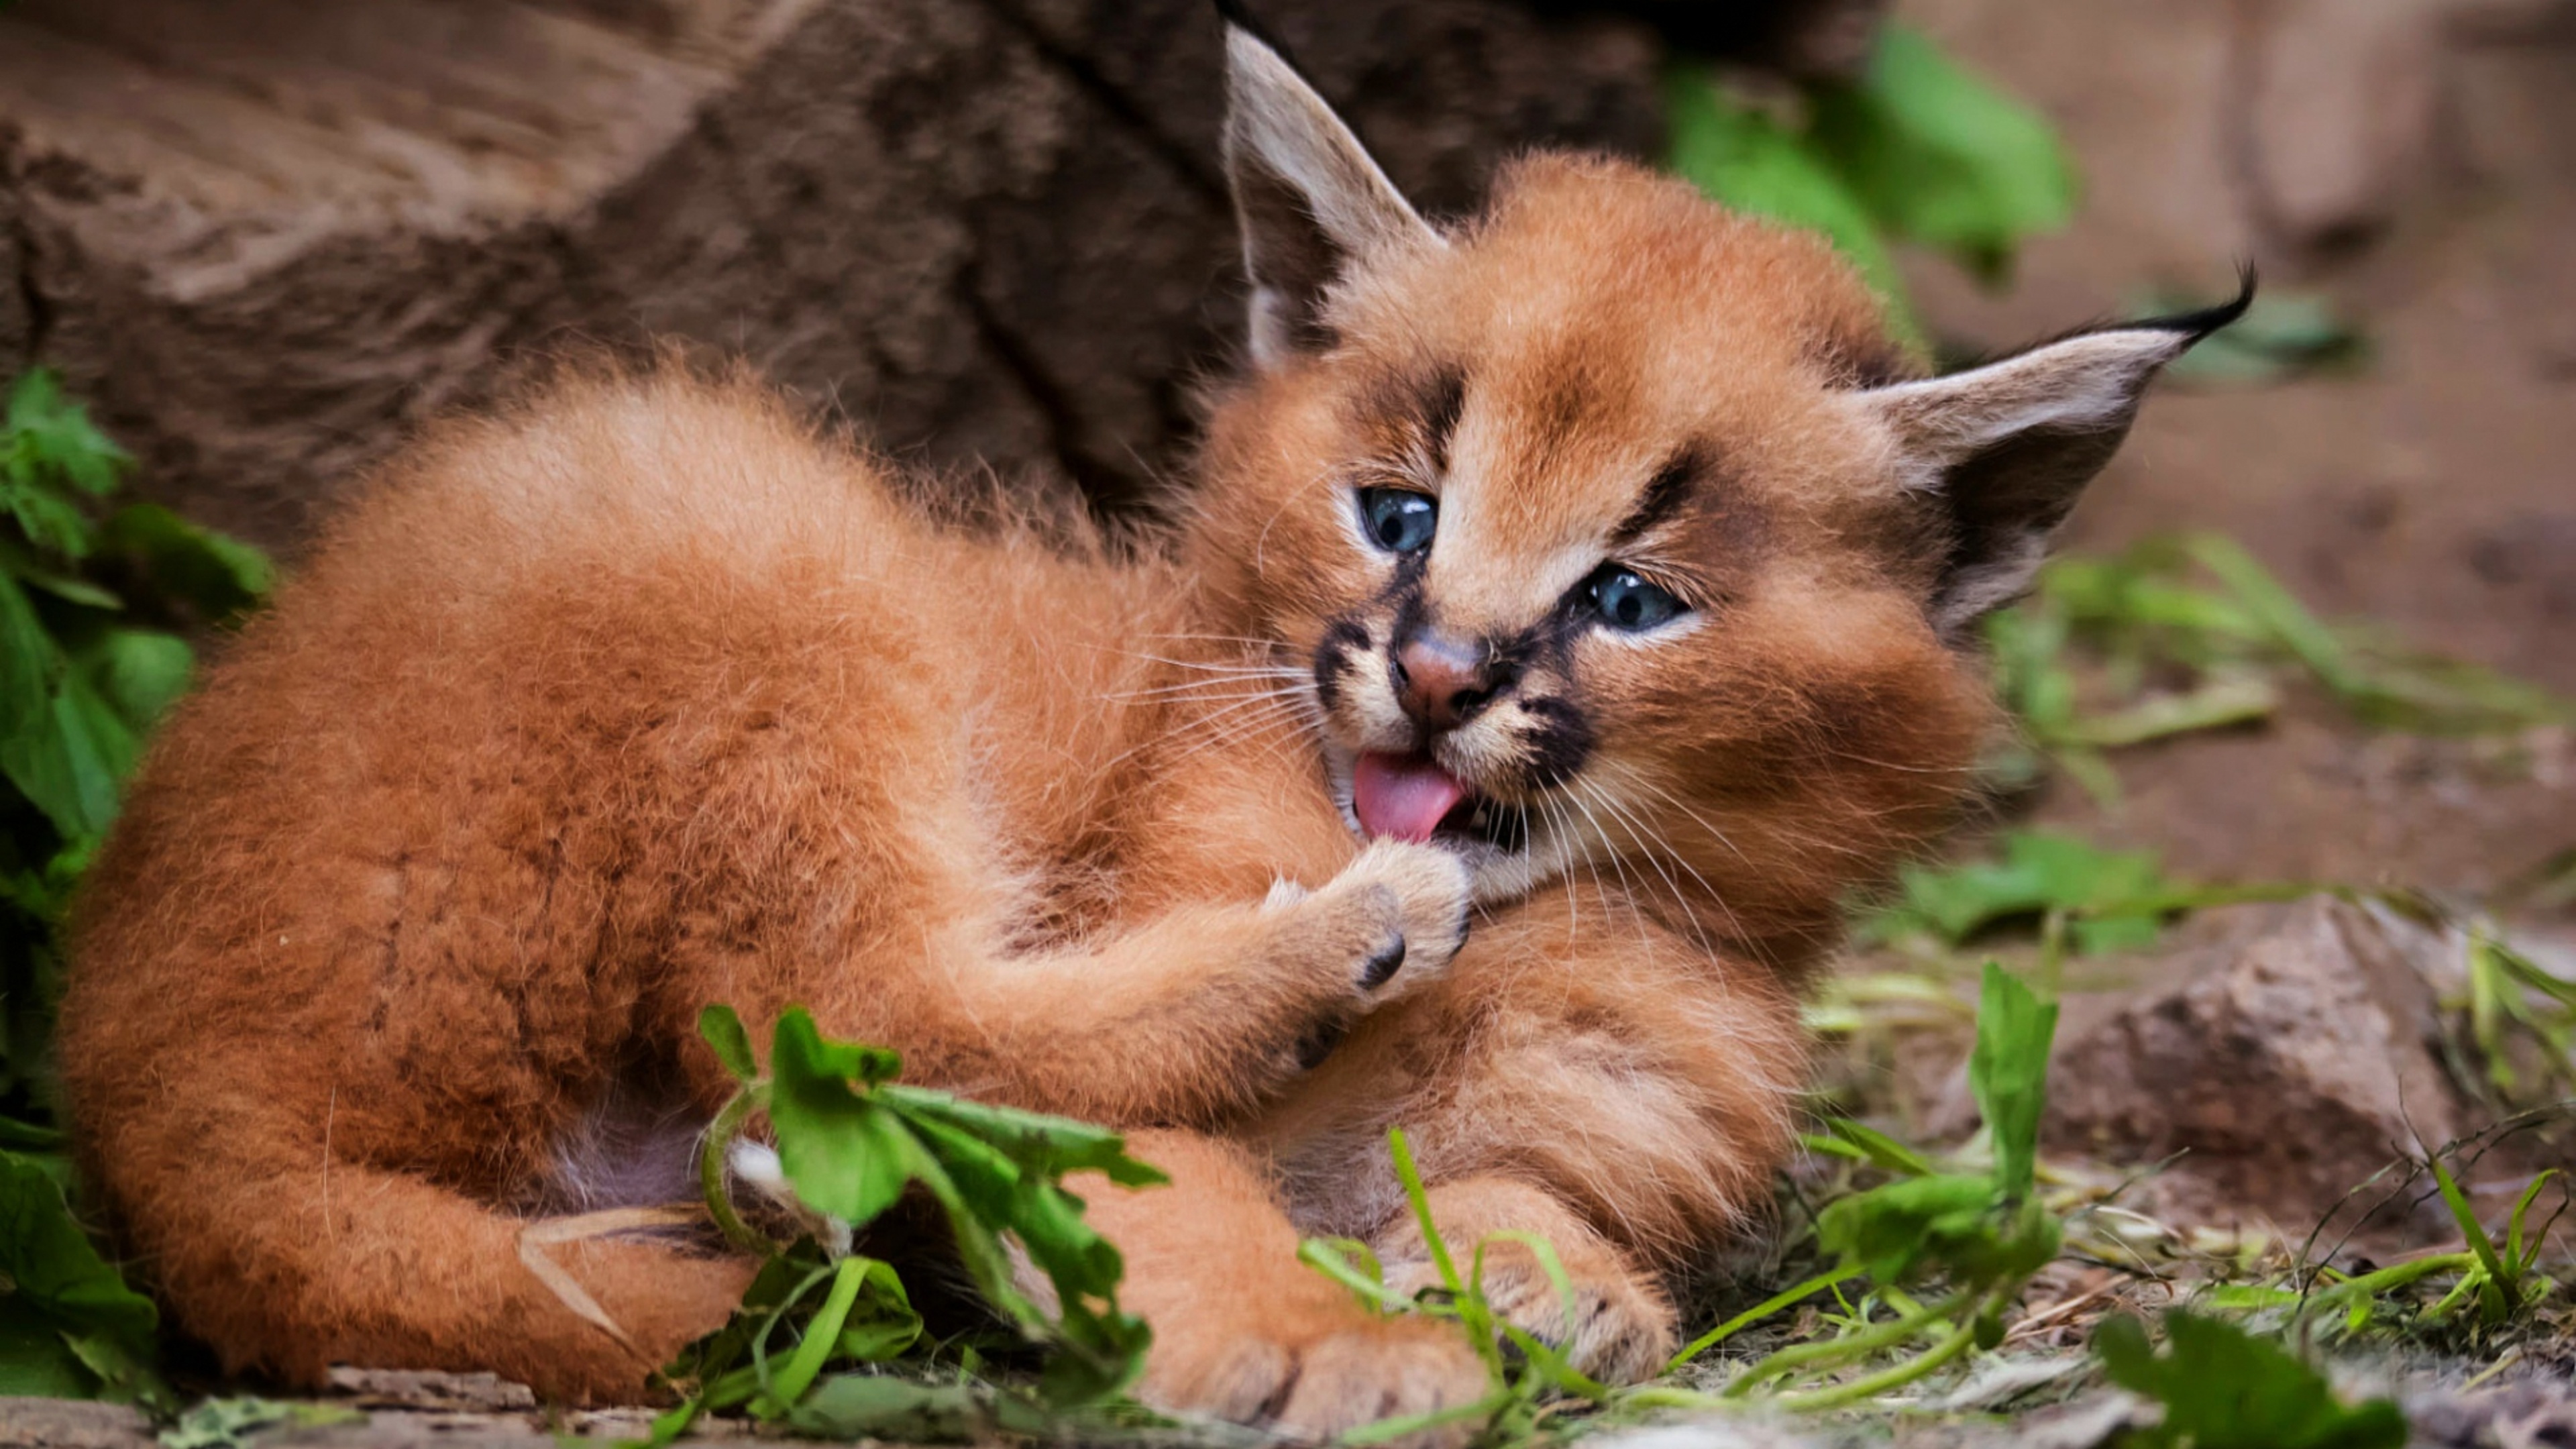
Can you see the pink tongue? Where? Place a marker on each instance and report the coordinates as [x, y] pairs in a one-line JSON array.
[[1404, 796]]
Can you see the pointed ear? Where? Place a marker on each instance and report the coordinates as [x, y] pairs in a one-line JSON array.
[[1309, 198], [2009, 446]]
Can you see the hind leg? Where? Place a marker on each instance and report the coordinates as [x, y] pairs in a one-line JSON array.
[[1242, 1330]]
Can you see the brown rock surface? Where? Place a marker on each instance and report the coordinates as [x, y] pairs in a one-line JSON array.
[[264, 235], [2286, 1069]]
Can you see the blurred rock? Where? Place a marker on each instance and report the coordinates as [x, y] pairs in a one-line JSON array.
[[2535, 1413], [2291, 1066], [266, 236], [2343, 95], [72, 1424], [1805, 39], [429, 1389]]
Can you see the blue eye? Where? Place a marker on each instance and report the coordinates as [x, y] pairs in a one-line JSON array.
[[1398, 521], [1630, 604]]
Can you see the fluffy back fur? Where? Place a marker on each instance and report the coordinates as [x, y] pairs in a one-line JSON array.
[[1590, 568]]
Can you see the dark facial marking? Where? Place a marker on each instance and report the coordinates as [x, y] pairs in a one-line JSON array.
[[1663, 496], [1332, 655], [1859, 361], [1413, 412], [1442, 402], [1561, 741]]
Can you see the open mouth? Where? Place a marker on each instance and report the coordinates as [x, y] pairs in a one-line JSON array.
[[1409, 797]]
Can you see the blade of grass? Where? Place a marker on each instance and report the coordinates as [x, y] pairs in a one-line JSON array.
[[1759, 1311], [2514, 1226], [2502, 1295], [822, 1333]]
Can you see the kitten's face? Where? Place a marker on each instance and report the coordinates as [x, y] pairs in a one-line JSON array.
[[1610, 535], [1592, 563]]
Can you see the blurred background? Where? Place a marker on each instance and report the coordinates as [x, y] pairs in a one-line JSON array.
[[262, 238], [2315, 626]]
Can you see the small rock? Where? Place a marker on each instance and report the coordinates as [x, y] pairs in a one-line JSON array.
[[2286, 1076], [425, 1389], [2532, 1414], [72, 1424]]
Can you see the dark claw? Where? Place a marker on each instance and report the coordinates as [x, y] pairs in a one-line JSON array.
[[1319, 1044], [1374, 973]]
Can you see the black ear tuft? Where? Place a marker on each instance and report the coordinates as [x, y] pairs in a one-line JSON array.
[[2199, 324]]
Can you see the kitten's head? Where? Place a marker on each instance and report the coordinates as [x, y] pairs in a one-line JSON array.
[[1617, 535]]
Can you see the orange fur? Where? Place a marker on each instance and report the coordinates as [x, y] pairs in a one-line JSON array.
[[642, 696]]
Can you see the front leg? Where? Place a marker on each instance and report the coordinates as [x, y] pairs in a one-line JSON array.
[[1196, 1012], [1582, 1076], [1618, 1325]]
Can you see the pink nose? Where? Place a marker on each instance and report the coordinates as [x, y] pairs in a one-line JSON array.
[[1442, 681]]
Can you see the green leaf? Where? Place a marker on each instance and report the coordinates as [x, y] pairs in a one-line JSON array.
[[2223, 1388], [1740, 156], [218, 575], [139, 672], [19, 562], [36, 1362], [2008, 1075], [55, 433], [1939, 157], [2039, 873], [723, 1033], [846, 1153], [65, 1304], [1890, 1230], [70, 760], [30, 662], [49, 520], [1037, 1143]]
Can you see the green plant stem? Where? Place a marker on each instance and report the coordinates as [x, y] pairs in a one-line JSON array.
[[1959, 1341], [1852, 1346], [711, 1173], [1665, 1396], [1758, 1312], [2371, 1285]]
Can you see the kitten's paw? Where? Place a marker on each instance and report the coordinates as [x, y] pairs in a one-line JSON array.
[[1411, 902], [1318, 1388], [1621, 1329]]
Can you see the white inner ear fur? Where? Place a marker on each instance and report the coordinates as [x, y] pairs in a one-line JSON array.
[[2083, 385], [1277, 124]]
